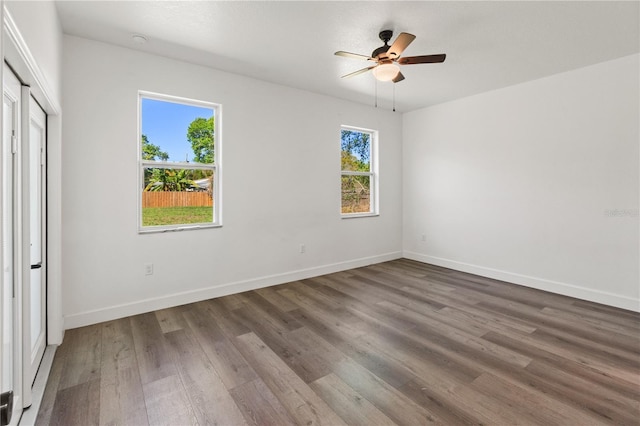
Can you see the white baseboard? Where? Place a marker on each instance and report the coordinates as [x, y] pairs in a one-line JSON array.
[[565, 289], [147, 305]]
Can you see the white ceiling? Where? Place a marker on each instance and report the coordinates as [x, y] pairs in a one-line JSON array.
[[488, 44]]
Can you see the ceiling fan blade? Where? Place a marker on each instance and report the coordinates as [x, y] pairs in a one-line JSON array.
[[398, 78], [363, 70], [352, 55], [425, 59], [401, 43]]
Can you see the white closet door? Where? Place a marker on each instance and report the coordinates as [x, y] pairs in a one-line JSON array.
[[12, 372], [35, 138]]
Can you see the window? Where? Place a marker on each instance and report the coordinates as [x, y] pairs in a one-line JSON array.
[[179, 157], [359, 172]]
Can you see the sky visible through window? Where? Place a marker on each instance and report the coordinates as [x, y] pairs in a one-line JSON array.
[[165, 124]]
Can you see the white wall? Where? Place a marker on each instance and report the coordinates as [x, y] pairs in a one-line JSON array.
[[281, 163], [516, 183]]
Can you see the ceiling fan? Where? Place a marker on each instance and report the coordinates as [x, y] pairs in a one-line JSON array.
[[388, 57]]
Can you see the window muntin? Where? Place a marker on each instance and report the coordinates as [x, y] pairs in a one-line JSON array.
[[358, 172], [179, 157]]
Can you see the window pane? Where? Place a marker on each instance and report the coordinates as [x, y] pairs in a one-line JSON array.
[[177, 196], [356, 194], [177, 132], [356, 151]]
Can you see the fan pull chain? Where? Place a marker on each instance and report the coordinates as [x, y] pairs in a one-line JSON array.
[[376, 83], [394, 97]]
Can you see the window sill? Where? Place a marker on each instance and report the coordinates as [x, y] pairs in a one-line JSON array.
[[355, 215], [153, 230]]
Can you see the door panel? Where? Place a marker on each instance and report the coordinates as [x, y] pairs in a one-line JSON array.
[[6, 260], [12, 372], [35, 138], [22, 257]]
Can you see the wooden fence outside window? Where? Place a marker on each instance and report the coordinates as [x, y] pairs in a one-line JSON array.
[[176, 199]]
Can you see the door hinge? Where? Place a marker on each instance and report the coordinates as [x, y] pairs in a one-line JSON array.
[[6, 407], [14, 142]]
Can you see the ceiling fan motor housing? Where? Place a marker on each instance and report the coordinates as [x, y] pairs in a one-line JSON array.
[[380, 52], [385, 35]]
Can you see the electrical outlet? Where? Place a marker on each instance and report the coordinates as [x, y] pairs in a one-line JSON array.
[[303, 248], [148, 268]]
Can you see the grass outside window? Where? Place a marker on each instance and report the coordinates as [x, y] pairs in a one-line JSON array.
[[160, 216]]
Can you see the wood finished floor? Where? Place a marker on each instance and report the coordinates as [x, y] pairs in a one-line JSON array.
[[395, 343]]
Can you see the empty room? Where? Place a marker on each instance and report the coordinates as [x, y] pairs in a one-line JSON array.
[[320, 213]]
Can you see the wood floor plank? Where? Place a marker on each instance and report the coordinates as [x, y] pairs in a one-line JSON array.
[[80, 367], [628, 388], [202, 320], [271, 294], [631, 330], [604, 403], [407, 269], [430, 286], [612, 313], [167, 402], [269, 312], [296, 358], [623, 372], [330, 332], [121, 396], [393, 285], [302, 404], [396, 295], [384, 368], [348, 329], [224, 317], [324, 300], [488, 407], [387, 368], [77, 405], [465, 325], [81, 339], [400, 342], [485, 320], [259, 405], [535, 316], [383, 396], [152, 354], [171, 319], [225, 358], [535, 407], [361, 303], [319, 352], [431, 365], [589, 348], [352, 407], [465, 341], [209, 398], [440, 404], [117, 340]]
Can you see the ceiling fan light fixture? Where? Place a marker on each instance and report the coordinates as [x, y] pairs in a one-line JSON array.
[[386, 72]]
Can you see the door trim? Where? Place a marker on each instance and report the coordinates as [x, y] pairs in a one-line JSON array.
[[16, 51], [12, 91]]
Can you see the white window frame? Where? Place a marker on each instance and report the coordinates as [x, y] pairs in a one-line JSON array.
[[214, 167], [372, 173]]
